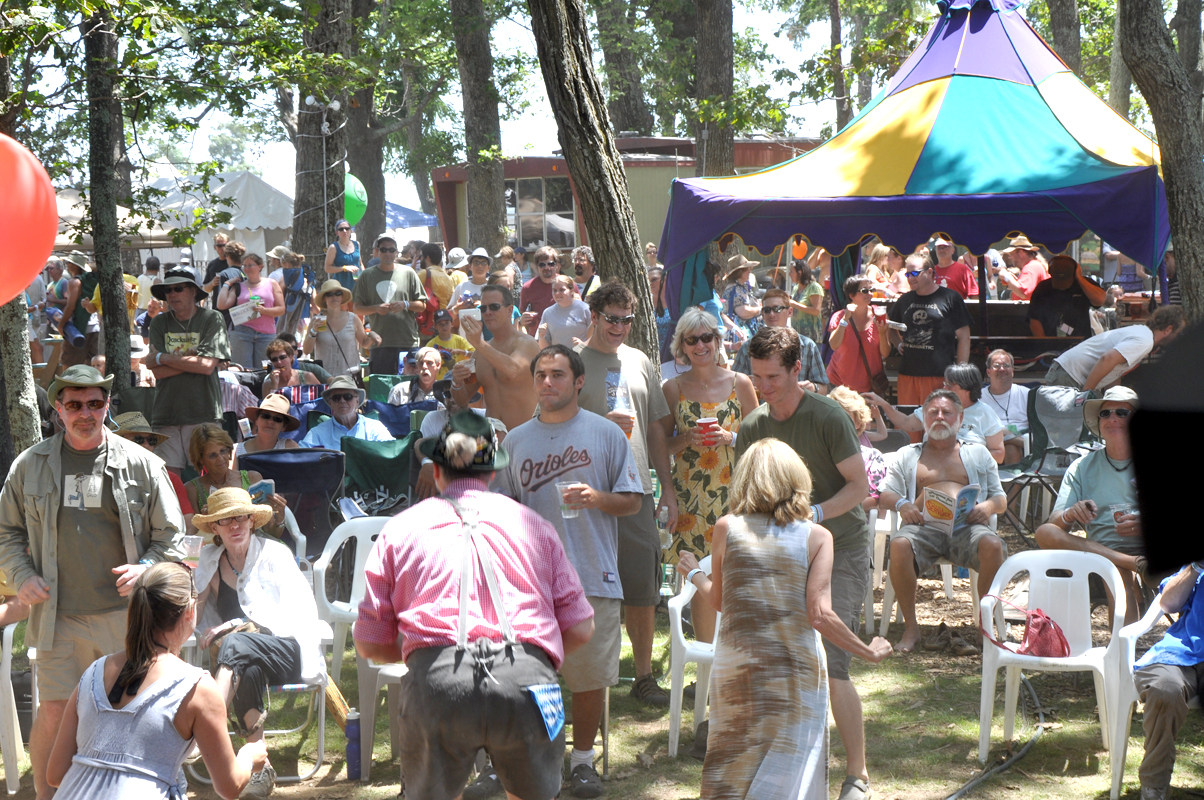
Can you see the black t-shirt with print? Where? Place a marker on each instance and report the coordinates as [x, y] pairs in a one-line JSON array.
[[1054, 307], [930, 342]]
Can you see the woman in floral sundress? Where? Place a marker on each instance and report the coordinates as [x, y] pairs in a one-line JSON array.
[[703, 461]]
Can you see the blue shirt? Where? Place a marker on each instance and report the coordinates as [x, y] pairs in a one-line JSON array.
[[1183, 643], [328, 433], [813, 362]]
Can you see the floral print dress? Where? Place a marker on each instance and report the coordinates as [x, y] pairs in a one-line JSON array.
[[737, 295], [701, 476]]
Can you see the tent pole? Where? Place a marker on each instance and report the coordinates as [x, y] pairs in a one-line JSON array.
[[982, 300]]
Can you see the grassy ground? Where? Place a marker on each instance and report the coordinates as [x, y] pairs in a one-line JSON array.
[[921, 715]]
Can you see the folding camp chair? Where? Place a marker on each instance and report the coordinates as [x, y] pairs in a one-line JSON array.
[[378, 473], [135, 398], [311, 480], [381, 386], [1058, 437]]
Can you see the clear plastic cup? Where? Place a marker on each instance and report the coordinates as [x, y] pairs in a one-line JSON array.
[[192, 550], [565, 511], [631, 414], [1118, 510]]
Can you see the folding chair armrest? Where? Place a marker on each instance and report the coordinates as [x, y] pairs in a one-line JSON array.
[[987, 611], [678, 601], [290, 522], [1129, 634]]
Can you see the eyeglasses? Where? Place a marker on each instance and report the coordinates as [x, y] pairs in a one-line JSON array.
[[342, 397], [387, 249], [705, 338], [145, 441], [1000, 368], [613, 320], [264, 415], [548, 264], [223, 454], [1121, 413], [226, 522], [492, 306], [280, 358], [75, 406], [340, 230], [191, 576], [179, 287], [773, 309]]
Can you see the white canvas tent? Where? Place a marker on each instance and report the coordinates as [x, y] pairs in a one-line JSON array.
[[151, 234], [261, 215]]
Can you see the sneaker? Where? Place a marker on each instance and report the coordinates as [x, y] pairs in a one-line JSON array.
[[486, 785], [1150, 793], [647, 690], [261, 784], [584, 782]]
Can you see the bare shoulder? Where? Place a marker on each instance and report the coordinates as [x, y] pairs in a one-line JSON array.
[[525, 345]]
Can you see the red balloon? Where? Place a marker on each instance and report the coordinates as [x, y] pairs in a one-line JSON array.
[[29, 218]]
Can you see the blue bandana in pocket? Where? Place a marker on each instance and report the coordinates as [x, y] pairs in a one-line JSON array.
[[551, 706]]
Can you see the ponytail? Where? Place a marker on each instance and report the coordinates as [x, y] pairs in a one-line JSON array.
[[160, 598]]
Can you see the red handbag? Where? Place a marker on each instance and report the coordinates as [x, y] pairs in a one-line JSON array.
[[1042, 636]]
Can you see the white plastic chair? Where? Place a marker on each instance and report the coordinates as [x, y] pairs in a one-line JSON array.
[[373, 678], [10, 730], [1126, 691], [342, 614], [880, 533], [682, 650], [1067, 601]]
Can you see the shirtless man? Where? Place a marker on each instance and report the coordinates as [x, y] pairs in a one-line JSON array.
[[944, 464], [503, 363]]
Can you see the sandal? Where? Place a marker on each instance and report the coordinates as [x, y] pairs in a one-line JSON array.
[[939, 641], [963, 646], [855, 789]]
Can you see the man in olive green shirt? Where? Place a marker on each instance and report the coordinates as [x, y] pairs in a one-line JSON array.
[[820, 431], [390, 294]]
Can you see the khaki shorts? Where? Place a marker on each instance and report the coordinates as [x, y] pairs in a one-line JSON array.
[[640, 556], [78, 641], [174, 449], [595, 665], [850, 575], [929, 546]]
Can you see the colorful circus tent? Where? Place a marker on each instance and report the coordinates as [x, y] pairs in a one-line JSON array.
[[983, 133]]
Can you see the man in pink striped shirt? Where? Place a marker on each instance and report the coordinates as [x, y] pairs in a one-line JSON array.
[[482, 667]]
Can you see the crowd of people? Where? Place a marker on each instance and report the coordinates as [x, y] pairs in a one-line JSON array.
[[559, 474]]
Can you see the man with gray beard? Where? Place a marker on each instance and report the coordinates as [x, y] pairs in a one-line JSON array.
[[941, 463]]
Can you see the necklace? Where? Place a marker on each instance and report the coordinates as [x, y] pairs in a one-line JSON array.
[[187, 328], [1111, 464], [230, 564], [995, 399]]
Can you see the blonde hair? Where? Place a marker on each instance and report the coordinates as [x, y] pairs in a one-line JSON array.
[[202, 436], [694, 321], [562, 278], [854, 405], [771, 479]]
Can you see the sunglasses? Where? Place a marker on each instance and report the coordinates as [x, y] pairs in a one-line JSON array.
[[264, 415], [173, 289], [280, 359], [913, 273], [228, 521], [705, 338], [342, 398], [492, 306], [340, 230], [547, 263], [75, 406], [1121, 413], [387, 249], [145, 441], [191, 576], [328, 295], [772, 309], [864, 291], [613, 320]]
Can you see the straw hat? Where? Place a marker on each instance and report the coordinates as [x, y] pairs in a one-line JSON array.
[[332, 286], [737, 263], [132, 422], [1020, 243], [488, 456], [231, 502], [80, 376], [1117, 394], [275, 404]]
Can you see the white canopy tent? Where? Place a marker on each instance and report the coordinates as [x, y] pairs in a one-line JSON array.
[[151, 233]]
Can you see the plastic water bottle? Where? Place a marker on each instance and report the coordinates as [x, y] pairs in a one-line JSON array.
[[662, 524], [352, 731]]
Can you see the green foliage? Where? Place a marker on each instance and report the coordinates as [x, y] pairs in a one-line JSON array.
[[237, 144]]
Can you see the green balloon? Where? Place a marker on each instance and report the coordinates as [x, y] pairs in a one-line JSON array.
[[355, 199]]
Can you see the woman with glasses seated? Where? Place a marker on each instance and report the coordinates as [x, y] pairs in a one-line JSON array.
[[269, 420], [257, 615], [708, 403], [211, 453], [858, 339], [336, 337], [282, 373], [136, 714]]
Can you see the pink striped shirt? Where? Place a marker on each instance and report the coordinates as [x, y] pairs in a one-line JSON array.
[[412, 578]]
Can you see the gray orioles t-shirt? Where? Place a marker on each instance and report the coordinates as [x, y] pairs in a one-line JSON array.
[[587, 449]]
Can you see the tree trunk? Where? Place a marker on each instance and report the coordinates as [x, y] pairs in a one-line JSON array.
[[1064, 24], [844, 111], [20, 426], [482, 126], [366, 157], [100, 64], [1186, 24], [421, 177], [318, 200], [1173, 99], [1120, 81], [627, 105], [714, 59], [865, 78], [561, 29]]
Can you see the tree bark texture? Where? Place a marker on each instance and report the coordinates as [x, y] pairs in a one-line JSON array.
[[1064, 24], [844, 110], [321, 136], [561, 29], [100, 64], [482, 126], [1150, 55], [1120, 81], [716, 145], [621, 65], [366, 157]]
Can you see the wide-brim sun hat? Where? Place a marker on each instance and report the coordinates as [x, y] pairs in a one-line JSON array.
[[77, 258], [279, 252], [457, 258], [1019, 243], [175, 277], [488, 457], [274, 404], [332, 286], [483, 253], [231, 502], [133, 422], [342, 383], [1117, 394], [737, 263], [138, 348], [80, 376]]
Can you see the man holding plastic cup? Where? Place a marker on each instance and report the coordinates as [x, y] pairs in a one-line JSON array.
[[576, 469]]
